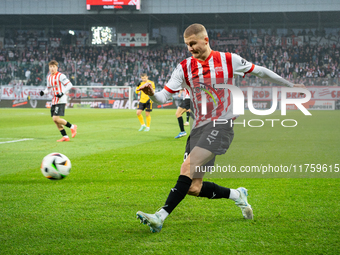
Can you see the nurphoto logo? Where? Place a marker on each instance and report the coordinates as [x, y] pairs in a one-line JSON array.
[[238, 103]]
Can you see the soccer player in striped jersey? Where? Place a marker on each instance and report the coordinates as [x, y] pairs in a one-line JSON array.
[[60, 85], [202, 71]]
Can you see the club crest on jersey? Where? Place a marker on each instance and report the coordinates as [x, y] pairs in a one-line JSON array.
[[218, 69]]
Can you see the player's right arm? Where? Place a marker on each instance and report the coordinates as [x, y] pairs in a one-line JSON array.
[[175, 84]]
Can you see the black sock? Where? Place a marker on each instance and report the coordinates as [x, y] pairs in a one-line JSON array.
[[178, 193], [68, 124], [180, 123], [63, 132], [188, 116], [213, 191]]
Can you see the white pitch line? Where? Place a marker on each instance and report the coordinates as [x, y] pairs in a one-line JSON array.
[[14, 141]]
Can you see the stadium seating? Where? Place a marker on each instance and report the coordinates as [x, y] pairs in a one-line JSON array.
[[26, 54]]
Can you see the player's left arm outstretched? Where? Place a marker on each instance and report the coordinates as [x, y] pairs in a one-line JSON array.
[[242, 67], [270, 76]]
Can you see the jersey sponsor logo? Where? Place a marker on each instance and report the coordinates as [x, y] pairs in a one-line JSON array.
[[243, 61]]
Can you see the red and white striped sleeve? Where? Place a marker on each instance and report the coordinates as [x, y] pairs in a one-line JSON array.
[[66, 82], [177, 80], [174, 85], [241, 66]]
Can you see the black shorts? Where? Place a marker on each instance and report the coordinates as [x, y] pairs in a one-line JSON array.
[[145, 106], [185, 104], [58, 110], [214, 139]]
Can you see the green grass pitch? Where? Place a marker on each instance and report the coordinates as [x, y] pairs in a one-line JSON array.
[[117, 171]]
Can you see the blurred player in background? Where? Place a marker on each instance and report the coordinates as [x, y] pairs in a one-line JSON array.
[[183, 107], [60, 85], [144, 103], [205, 69]]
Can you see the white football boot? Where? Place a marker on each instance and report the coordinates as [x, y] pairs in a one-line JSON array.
[[154, 221], [242, 202]]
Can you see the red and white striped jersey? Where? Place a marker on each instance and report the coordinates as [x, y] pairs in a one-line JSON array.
[[186, 94], [202, 76], [59, 84]]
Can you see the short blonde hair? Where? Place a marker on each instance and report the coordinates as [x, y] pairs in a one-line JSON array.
[[195, 29]]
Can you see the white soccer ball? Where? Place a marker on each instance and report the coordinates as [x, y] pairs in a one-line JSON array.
[[55, 166]]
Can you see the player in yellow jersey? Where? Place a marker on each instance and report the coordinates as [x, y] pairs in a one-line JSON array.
[[144, 103]]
